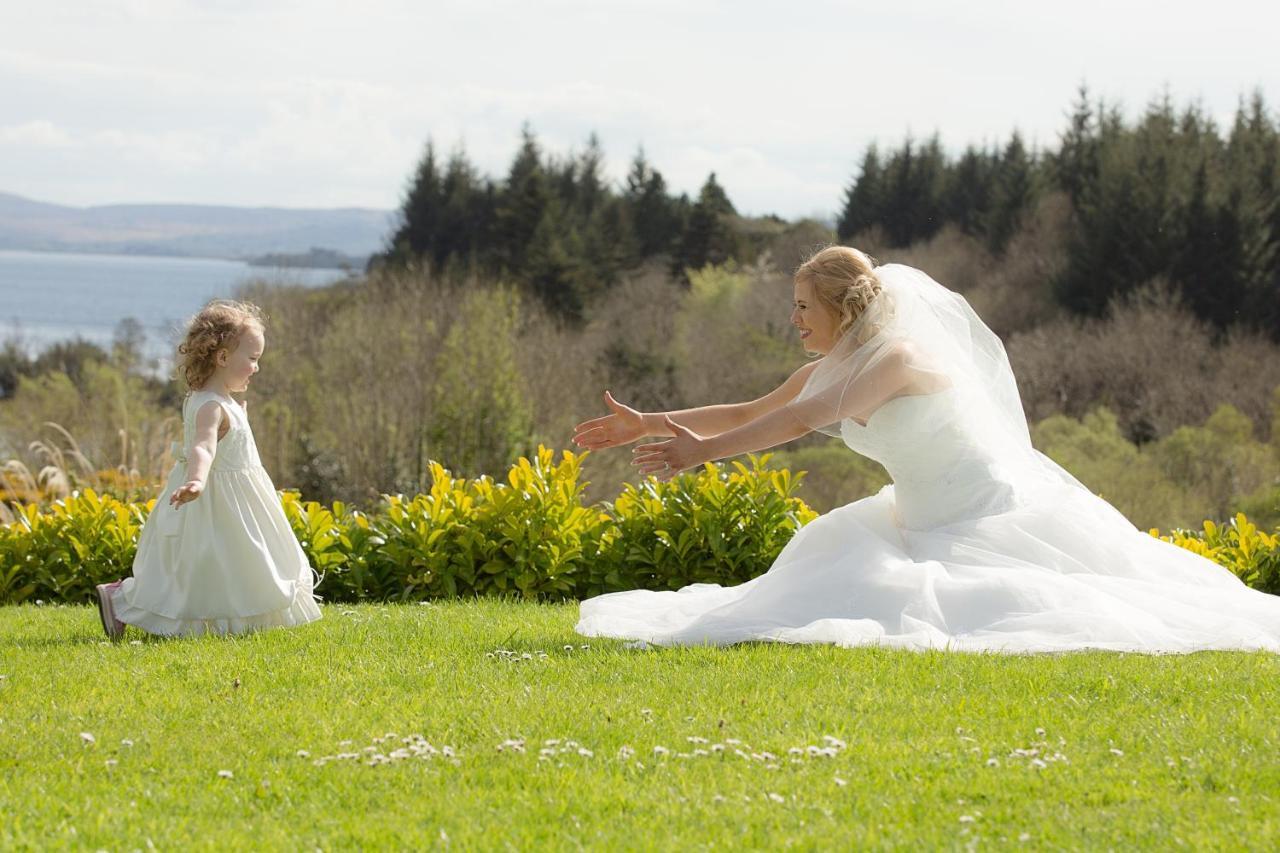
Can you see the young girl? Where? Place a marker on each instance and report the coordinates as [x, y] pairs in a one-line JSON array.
[[218, 557]]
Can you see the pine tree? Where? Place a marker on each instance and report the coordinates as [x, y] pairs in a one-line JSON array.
[[609, 246], [651, 211], [638, 176], [1015, 193], [913, 192], [591, 190], [1104, 248], [928, 183], [420, 210], [522, 205], [1076, 164], [1257, 257], [863, 198], [707, 238], [466, 219], [553, 268], [562, 178], [970, 189], [714, 197], [1204, 254], [1253, 159]]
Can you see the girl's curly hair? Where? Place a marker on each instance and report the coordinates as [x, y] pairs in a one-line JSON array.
[[218, 326]]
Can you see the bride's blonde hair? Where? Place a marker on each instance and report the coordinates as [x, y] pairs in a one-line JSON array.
[[843, 279]]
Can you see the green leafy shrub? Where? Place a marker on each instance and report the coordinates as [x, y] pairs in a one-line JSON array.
[[64, 551], [342, 546], [529, 536], [532, 536], [719, 525], [1252, 554], [1196, 472]]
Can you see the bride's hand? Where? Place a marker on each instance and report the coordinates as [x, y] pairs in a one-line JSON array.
[[623, 426], [666, 459]]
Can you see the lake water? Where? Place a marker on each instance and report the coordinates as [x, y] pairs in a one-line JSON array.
[[47, 297]]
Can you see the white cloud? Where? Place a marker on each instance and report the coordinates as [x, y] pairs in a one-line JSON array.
[[307, 103], [176, 151], [34, 134], [173, 149]]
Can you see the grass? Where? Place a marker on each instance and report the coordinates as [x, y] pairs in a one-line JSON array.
[[1129, 750]]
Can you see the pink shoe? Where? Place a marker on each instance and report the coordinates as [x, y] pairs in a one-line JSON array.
[[113, 626]]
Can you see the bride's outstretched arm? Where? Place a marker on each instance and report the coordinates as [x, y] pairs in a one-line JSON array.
[[686, 448], [715, 420], [852, 398], [625, 425]]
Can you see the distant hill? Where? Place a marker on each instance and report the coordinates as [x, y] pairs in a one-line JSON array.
[[190, 230], [317, 258]]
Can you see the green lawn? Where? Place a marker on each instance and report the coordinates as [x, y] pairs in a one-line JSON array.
[[942, 750]]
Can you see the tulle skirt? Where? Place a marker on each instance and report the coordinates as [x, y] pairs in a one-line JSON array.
[[1062, 572], [225, 563]]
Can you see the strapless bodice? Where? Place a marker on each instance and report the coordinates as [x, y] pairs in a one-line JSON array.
[[936, 451]]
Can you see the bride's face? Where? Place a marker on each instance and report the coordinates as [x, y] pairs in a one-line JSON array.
[[818, 326]]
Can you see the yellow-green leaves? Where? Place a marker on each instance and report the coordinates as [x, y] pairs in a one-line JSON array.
[[62, 552], [1252, 554], [527, 534]]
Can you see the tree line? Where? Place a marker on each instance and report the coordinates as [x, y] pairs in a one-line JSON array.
[[1170, 196], [555, 225]]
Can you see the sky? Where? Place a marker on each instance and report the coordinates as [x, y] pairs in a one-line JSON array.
[[329, 104]]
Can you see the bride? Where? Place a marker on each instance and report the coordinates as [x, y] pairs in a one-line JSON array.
[[980, 544]]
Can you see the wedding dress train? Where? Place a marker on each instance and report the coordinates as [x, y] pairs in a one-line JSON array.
[[980, 544]]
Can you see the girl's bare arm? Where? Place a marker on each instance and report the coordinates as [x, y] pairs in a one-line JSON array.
[[209, 428]]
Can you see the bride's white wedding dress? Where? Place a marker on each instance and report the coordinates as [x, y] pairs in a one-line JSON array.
[[977, 546]]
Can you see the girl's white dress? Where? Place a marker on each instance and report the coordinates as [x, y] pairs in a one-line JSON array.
[[227, 562]]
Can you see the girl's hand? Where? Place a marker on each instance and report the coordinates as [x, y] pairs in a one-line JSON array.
[[623, 426], [186, 493], [665, 459]]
